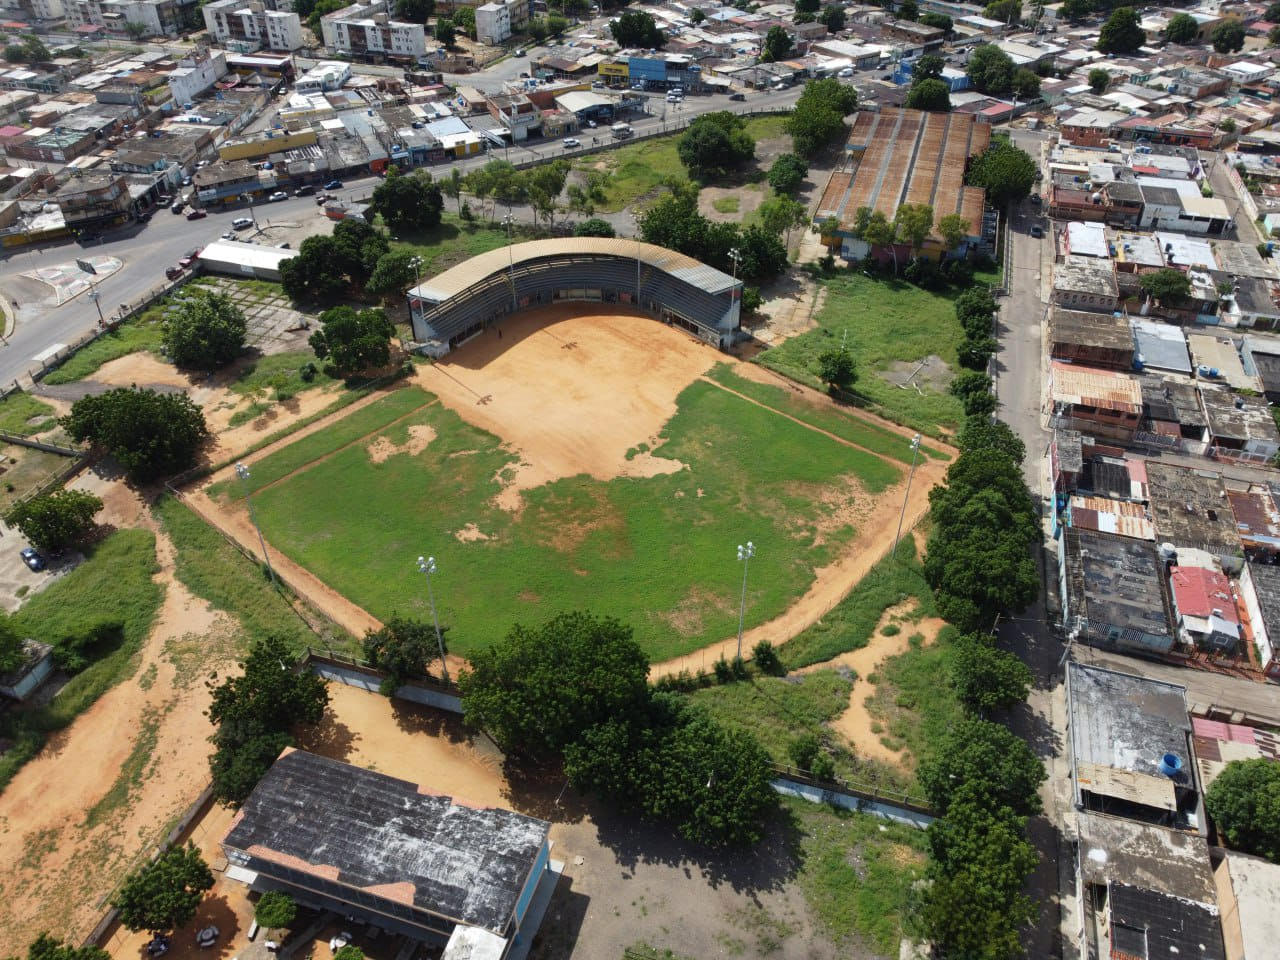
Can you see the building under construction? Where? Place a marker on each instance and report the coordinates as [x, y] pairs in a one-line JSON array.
[[899, 156]]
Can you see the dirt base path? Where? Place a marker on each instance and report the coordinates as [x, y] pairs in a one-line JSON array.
[[78, 816], [856, 724]]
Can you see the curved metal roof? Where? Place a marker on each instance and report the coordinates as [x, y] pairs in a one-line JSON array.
[[457, 279]]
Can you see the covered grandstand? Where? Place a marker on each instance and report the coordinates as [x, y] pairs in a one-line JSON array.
[[899, 156], [459, 303]]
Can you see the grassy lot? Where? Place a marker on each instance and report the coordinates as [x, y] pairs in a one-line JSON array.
[[913, 700], [777, 710], [844, 425], [856, 872], [639, 168], [454, 241], [725, 204], [578, 542], [23, 414], [142, 333], [280, 373], [887, 321], [73, 609], [24, 470], [850, 623], [215, 571]]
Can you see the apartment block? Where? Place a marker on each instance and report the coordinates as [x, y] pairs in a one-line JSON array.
[[246, 26], [159, 17], [366, 31]]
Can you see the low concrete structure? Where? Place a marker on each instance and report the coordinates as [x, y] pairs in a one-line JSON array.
[[1248, 891], [35, 668], [1113, 592], [244, 259]]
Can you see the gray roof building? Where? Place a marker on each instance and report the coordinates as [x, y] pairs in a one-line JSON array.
[[1160, 346], [1097, 339], [1190, 509], [1240, 423], [1114, 592]]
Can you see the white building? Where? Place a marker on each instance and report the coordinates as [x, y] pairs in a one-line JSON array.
[[366, 30], [245, 26], [493, 23], [196, 74], [324, 76], [159, 17], [48, 9]]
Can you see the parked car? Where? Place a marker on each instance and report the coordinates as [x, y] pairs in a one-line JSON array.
[[197, 215], [278, 196], [322, 199], [846, 72], [177, 206], [230, 235], [172, 273], [520, 52], [306, 191], [592, 124], [1037, 231], [32, 559], [737, 96], [189, 259], [333, 185], [242, 223], [571, 142]]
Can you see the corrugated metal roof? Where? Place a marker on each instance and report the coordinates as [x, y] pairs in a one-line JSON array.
[[456, 279], [1106, 389]]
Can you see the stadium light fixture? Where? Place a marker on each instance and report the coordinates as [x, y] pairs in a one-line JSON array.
[[427, 565], [745, 553], [509, 221], [243, 473], [915, 450]]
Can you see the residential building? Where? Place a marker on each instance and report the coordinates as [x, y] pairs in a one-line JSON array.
[[1085, 283], [1099, 403], [195, 74], [1240, 427], [246, 26], [1217, 743], [93, 200], [1172, 415], [1191, 509], [1258, 521], [493, 23], [368, 31], [1204, 608], [158, 17], [48, 9], [392, 854], [1159, 347], [1130, 747], [1217, 360], [1248, 891], [1100, 340], [1113, 591], [1260, 592], [1260, 357], [1124, 517], [517, 113], [323, 77]]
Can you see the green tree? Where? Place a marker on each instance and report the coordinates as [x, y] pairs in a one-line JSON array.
[[136, 31], [939, 21], [981, 761], [1228, 36], [556, 24], [1167, 285], [1099, 80], [539, 689], [357, 248], [832, 18], [150, 434], [275, 910], [544, 183], [974, 309], [912, 223], [714, 144], [12, 652], [1074, 10], [787, 174], [818, 116], [987, 678], [803, 750], [763, 255], [595, 227], [929, 94], [15, 53], [1026, 84], [1006, 172], [349, 952], [635, 28], [538, 29], [313, 276], [1006, 11], [320, 9], [395, 273], [165, 893], [808, 6], [990, 70], [205, 331], [353, 340], [1273, 37], [981, 434], [779, 215], [777, 45], [35, 50], [446, 32], [403, 649], [1244, 802], [1272, 14], [696, 16], [907, 10], [836, 368], [967, 383], [45, 947], [253, 714], [1181, 28], [464, 19], [407, 203], [929, 66], [57, 520], [954, 230], [451, 187], [1122, 33], [414, 11]]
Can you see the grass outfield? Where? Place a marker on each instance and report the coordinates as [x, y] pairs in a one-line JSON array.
[[23, 414], [656, 553]]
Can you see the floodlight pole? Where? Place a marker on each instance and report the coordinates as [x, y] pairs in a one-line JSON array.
[[511, 258], [745, 553], [243, 473], [915, 450], [428, 566]]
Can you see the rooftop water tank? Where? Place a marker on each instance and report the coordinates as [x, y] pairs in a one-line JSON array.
[[1170, 764]]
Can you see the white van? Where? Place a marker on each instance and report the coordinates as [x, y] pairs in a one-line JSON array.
[[621, 130]]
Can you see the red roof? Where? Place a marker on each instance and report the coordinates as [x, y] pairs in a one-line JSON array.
[[88, 28], [1198, 592]]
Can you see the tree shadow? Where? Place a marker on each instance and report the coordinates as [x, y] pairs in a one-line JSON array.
[[542, 791], [430, 721], [329, 738], [1036, 730]]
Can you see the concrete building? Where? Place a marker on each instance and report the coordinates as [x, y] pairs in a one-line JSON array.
[[1219, 742], [1159, 347], [1218, 360], [1085, 283], [1099, 403], [1130, 747], [391, 854], [158, 17], [195, 74], [94, 200], [493, 23], [1258, 521], [1204, 608], [1260, 591], [1240, 427], [1171, 411], [1248, 891], [1191, 509], [1113, 591], [323, 77], [246, 26], [367, 31], [1260, 357], [1100, 340]]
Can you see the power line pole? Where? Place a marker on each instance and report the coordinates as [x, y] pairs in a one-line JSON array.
[[915, 450]]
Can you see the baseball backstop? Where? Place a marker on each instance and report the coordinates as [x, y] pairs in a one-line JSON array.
[[459, 303]]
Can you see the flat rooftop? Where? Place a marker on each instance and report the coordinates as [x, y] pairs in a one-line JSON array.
[[1161, 346], [1173, 862], [1191, 509], [389, 839], [1104, 331], [1256, 885], [1172, 401], [908, 156], [1116, 581], [1146, 924], [1239, 418], [1092, 275]]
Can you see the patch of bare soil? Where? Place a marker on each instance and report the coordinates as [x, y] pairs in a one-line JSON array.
[[933, 373], [856, 724], [749, 199], [471, 534], [420, 437], [789, 309], [140, 368], [614, 378]]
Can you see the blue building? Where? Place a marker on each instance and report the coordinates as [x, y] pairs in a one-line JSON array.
[[956, 80], [662, 71]]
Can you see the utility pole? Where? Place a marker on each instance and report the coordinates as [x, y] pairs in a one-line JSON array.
[[915, 450], [428, 566], [745, 553], [243, 473]]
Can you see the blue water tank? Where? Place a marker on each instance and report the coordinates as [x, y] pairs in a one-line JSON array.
[[1171, 764]]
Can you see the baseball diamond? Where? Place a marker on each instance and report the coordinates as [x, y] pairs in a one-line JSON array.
[[461, 302]]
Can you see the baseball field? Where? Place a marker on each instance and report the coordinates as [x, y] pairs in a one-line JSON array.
[[579, 460]]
